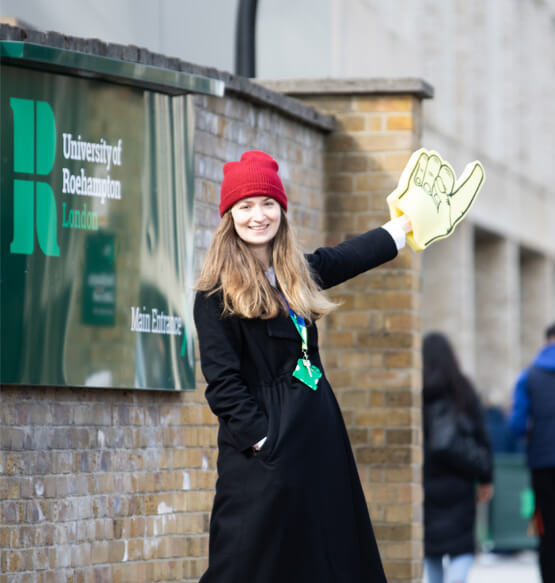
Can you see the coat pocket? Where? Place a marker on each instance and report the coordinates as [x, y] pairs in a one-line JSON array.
[[267, 450], [273, 395]]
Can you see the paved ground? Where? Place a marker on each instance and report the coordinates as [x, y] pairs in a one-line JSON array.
[[491, 568]]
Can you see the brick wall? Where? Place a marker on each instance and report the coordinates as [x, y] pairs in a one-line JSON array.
[[374, 338], [117, 486], [103, 485]]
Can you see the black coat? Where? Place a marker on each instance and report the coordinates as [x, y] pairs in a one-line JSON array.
[[450, 477], [295, 512]]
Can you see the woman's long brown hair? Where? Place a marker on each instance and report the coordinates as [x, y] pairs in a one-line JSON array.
[[231, 268]]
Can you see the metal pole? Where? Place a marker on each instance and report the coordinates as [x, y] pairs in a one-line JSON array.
[[245, 38]]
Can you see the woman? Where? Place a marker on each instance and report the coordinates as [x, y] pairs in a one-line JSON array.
[[289, 506], [457, 455]]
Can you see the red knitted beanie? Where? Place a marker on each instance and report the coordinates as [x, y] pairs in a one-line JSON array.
[[256, 174]]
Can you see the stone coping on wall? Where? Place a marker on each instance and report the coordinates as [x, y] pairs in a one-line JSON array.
[[234, 84], [375, 86]]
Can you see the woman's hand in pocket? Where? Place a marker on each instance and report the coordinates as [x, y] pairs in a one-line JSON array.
[[258, 445]]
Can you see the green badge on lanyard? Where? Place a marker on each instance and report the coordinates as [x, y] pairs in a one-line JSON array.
[[307, 373]]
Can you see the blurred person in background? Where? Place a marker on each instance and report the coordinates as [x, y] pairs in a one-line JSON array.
[[457, 456], [533, 414]]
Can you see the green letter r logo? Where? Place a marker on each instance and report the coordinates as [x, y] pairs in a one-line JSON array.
[[29, 115]]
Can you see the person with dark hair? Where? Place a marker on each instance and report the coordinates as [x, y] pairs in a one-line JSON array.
[[533, 414], [457, 455]]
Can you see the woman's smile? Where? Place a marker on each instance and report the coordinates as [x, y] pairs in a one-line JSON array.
[[256, 220]]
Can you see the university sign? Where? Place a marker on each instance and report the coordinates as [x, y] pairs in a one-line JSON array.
[[96, 225]]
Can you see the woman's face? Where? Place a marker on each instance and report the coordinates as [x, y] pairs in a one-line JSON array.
[[256, 219]]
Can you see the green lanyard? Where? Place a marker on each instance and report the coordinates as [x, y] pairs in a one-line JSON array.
[[307, 373], [301, 329]]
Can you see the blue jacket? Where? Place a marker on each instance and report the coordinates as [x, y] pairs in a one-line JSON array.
[[534, 409]]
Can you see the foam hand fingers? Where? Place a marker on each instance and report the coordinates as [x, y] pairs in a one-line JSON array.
[[471, 180], [432, 170], [465, 191], [443, 185], [445, 181]]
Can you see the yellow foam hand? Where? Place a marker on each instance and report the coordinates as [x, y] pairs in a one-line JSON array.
[[431, 196]]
